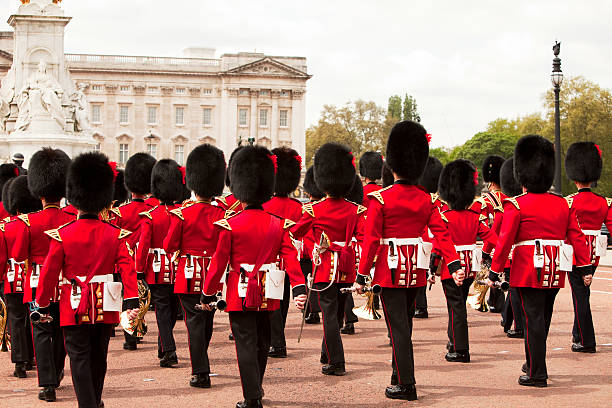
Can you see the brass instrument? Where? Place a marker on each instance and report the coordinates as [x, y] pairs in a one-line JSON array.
[[4, 336], [367, 311], [138, 326], [478, 299]]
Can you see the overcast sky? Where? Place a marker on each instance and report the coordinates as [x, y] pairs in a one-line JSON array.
[[466, 62]]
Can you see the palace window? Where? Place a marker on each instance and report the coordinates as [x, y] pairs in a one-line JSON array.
[[207, 91], [283, 116], [152, 115], [97, 88], [96, 147], [125, 88], [124, 114], [263, 117], [207, 116], [242, 117], [152, 149], [180, 115], [153, 89], [179, 154], [96, 116], [243, 92], [264, 92], [124, 153], [180, 90], [284, 93]]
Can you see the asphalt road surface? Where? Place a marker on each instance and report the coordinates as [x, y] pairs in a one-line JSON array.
[[490, 380]]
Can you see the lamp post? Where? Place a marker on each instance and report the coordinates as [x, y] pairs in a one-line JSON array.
[[557, 79], [150, 139]]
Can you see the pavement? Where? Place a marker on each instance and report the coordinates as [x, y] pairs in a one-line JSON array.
[[490, 380]]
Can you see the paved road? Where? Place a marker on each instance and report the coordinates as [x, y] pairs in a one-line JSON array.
[[490, 380]]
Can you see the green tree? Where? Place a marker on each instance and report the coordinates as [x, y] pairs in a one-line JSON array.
[[410, 109], [483, 144], [441, 153], [394, 108]]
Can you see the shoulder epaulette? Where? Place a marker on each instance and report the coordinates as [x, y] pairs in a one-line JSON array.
[[443, 216], [148, 213], [361, 209], [308, 208], [514, 202], [54, 233], [7, 219], [434, 197], [116, 211], [223, 224], [222, 200], [570, 200], [24, 218], [2, 227], [178, 212], [124, 233], [609, 201], [234, 206], [288, 224], [482, 218], [376, 194]]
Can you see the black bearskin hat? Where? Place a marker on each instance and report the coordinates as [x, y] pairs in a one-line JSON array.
[[289, 171], [583, 162], [90, 182], [490, 168], [534, 163], [334, 169], [355, 195], [7, 172], [137, 175], [21, 201], [47, 174], [370, 165], [120, 193], [6, 202], [310, 186], [508, 183], [252, 175], [387, 176], [167, 181], [229, 164], [408, 150], [431, 176], [458, 184], [205, 172]]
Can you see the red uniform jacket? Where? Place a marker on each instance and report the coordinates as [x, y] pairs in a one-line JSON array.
[[402, 211], [242, 238], [194, 236], [230, 204], [71, 209], [592, 210], [284, 207], [367, 189], [152, 201], [465, 227], [13, 271], [127, 216], [3, 213], [332, 216], [77, 249], [32, 244], [532, 216], [153, 230]]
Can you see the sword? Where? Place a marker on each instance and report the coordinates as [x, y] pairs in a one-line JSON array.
[[316, 258]]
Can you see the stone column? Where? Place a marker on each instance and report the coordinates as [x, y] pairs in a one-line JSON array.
[[298, 122], [254, 123], [274, 118]]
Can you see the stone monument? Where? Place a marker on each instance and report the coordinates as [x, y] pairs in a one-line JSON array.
[[40, 105]]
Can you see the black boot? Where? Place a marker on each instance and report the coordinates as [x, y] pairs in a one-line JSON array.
[[323, 359], [393, 379], [47, 394], [333, 369], [421, 314], [400, 391], [129, 346], [515, 334], [527, 381], [169, 359], [231, 336], [525, 368], [277, 352], [579, 348], [348, 328], [29, 366], [254, 403], [200, 381], [312, 318], [458, 357], [449, 347], [20, 370]]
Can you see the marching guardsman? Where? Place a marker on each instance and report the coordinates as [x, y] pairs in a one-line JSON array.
[[86, 252], [429, 181], [457, 187], [230, 203], [251, 242], [137, 180], [7, 172], [334, 221], [47, 182], [194, 236], [153, 263], [538, 224], [370, 168], [289, 171], [493, 207], [583, 165], [397, 217], [311, 188], [19, 201]]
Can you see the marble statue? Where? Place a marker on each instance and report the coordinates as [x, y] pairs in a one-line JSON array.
[[44, 96]]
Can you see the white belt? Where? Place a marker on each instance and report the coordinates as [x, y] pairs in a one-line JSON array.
[[264, 267], [95, 279], [461, 248], [400, 241], [158, 250], [594, 233], [544, 242], [339, 243], [195, 256]]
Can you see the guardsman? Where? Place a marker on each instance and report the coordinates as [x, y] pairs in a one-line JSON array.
[[20, 201], [335, 221], [86, 252], [137, 180], [289, 171], [230, 203], [310, 187], [47, 182], [193, 237], [538, 224], [583, 166], [370, 168], [7, 172], [457, 187], [492, 208], [18, 160], [153, 263], [429, 181], [251, 242], [397, 218]]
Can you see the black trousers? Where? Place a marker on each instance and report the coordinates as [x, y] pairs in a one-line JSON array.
[[398, 306], [199, 328], [456, 297], [537, 305], [313, 303], [331, 302], [278, 318], [87, 347], [165, 314], [49, 349], [18, 319], [583, 331], [251, 332], [349, 316], [496, 299], [421, 299], [512, 311]]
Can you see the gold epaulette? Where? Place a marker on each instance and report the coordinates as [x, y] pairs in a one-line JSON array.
[[24, 218], [7, 219], [482, 218], [54, 233], [434, 197], [234, 206], [514, 202], [124, 233], [376, 194], [609, 201], [129, 249], [222, 200], [443, 216], [178, 212], [223, 224], [2, 227], [288, 224], [116, 211], [308, 209], [361, 209], [148, 213]]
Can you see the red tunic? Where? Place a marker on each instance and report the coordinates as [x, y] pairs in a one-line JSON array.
[[153, 230], [14, 271], [32, 244], [493, 204], [532, 216], [230, 204], [402, 211], [71, 209], [242, 238], [367, 189], [3, 213], [77, 249], [332, 216], [127, 216], [152, 201], [194, 236], [284, 207]]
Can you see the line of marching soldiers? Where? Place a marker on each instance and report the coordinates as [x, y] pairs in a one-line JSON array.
[[74, 269]]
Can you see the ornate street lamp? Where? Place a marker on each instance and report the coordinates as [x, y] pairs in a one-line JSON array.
[[557, 79], [150, 138]]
